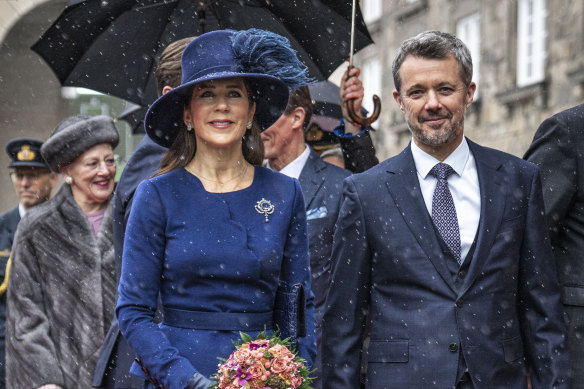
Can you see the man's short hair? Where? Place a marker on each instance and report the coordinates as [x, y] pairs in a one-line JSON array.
[[300, 97], [168, 71], [434, 45]]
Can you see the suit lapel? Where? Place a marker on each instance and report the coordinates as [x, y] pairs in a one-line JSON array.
[[404, 188], [491, 179], [311, 178]]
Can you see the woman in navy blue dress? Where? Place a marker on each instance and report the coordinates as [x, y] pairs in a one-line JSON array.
[[214, 236]]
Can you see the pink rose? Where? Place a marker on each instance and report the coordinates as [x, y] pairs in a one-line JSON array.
[[256, 370], [296, 381], [278, 365]]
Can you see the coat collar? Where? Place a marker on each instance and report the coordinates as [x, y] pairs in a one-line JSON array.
[[493, 198], [404, 187], [311, 178]]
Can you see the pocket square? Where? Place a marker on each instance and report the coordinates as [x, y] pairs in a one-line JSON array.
[[316, 213]]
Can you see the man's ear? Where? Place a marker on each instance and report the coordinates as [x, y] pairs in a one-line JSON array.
[[299, 114], [398, 100], [166, 89]]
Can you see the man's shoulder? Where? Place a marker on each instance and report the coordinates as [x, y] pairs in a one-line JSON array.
[[488, 154], [328, 171], [9, 215]]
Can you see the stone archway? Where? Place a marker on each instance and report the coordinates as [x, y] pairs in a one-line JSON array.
[[30, 102]]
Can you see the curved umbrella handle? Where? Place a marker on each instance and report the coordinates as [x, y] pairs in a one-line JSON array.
[[364, 121]]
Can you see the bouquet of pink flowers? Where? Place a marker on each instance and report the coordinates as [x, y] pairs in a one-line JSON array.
[[263, 363]]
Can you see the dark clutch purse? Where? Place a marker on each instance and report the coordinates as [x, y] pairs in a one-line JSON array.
[[290, 312]]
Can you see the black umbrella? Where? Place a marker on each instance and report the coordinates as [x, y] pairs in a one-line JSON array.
[[112, 46], [134, 116]]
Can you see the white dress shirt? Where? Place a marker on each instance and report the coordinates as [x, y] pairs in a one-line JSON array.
[[294, 168], [21, 210], [464, 186]]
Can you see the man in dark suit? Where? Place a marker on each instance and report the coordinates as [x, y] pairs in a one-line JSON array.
[[557, 150], [285, 151], [442, 251], [116, 356], [321, 183], [33, 182]]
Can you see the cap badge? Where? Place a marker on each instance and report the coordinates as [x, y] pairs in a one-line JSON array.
[[25, 154]]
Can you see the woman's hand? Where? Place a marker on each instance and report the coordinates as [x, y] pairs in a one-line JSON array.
[[50, 386]]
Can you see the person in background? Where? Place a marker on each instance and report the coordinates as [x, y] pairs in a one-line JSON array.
[[442, 252], [116, 356], [215, 236], [353, 140], [557, 150], [61, 292], [33, 183], [325, 144], [321, 183]]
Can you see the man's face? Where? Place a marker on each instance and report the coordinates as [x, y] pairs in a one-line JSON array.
[[33, 185], [278, 137], [434, 99]]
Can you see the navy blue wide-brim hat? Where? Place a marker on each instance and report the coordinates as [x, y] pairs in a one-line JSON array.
[[25, 152], [263, 58]]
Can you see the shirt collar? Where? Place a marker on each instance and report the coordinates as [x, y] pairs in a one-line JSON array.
[[294, 168], [425, 162], [21, 210]]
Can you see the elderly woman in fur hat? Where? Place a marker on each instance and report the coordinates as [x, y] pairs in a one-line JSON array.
[[218, 238], [61, 293]]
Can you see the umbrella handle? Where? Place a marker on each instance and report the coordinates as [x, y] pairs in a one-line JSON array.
[[364, 121]]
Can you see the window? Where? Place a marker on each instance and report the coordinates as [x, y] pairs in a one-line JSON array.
[[371, 10], [469, 31], [371, 76], [531, 36]]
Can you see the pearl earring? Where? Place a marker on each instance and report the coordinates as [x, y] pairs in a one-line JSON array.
[[69, 180], [189, 126], [249, 124]]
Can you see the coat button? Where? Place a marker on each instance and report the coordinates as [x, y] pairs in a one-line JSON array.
[[461, 274], [459, 303], [453, 347]]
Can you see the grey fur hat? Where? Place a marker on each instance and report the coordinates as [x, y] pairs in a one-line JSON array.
[[76, 134]]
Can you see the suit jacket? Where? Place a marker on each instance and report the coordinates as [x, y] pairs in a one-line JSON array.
[[557, 148], [143, 163], [322, 187], [389, 262]]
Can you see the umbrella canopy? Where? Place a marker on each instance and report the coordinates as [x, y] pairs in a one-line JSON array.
[[113, 46]]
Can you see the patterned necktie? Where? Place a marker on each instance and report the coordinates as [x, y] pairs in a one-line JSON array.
[[443, 210]]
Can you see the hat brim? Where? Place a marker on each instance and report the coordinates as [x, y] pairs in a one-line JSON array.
[[28, 164], [164, 118]]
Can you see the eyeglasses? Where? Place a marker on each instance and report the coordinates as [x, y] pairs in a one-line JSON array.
[[31, 176]]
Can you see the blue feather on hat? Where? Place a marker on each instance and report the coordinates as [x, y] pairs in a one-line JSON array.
[[260, 51]]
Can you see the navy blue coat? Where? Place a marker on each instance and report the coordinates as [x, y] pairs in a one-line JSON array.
[[8, 224], [502, 314], [216, 263]]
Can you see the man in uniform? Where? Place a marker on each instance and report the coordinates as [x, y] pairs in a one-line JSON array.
[[33, 182]]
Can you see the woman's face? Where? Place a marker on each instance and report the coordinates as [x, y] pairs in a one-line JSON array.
[[93, 174], [219, 111]]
